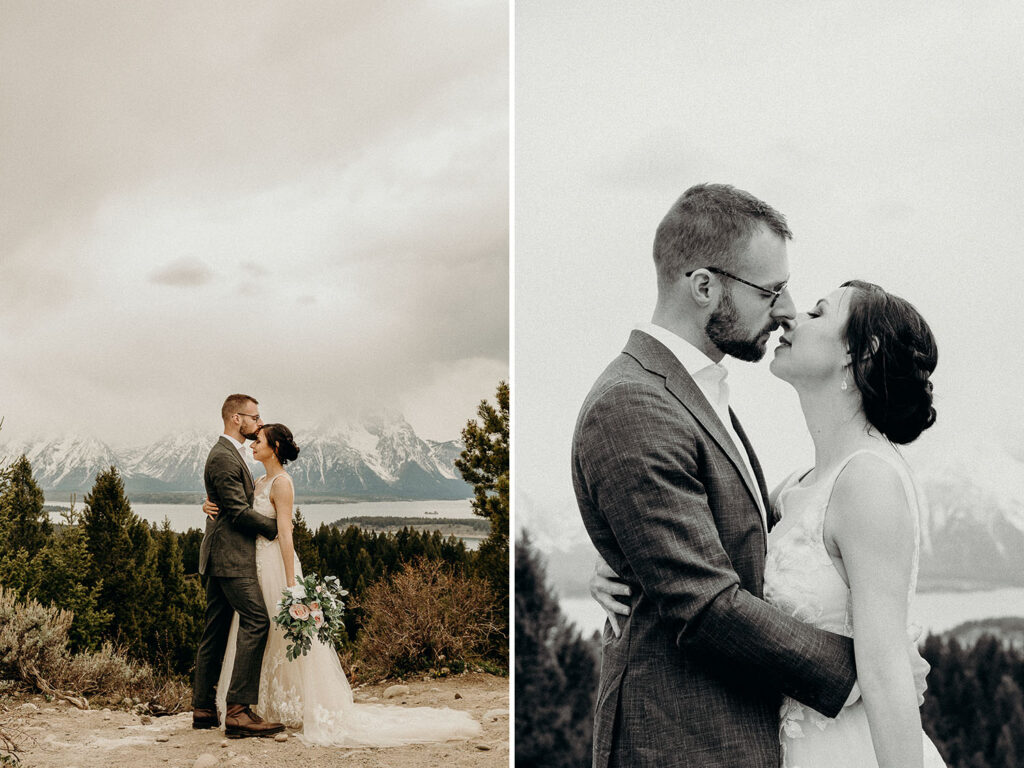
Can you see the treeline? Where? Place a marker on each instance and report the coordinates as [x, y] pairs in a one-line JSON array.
[[136, 584], [356, 556], [974, 707], [973, 710]]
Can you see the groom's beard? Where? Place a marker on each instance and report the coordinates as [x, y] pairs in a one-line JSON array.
[[724, 329], [249, 436]]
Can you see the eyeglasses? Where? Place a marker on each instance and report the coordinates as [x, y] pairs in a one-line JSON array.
[[775, 292], [254, 418]]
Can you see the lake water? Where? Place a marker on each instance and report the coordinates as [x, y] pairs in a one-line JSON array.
[[185, 516], [935, 611]]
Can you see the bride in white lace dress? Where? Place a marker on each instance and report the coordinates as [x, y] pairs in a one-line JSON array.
[[312, 692], [844, 555]]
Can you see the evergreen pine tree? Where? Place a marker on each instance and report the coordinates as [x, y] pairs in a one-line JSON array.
[[120, 546], [62, 564], [484, 464], [177, 602], [556, 676], [23, 523]]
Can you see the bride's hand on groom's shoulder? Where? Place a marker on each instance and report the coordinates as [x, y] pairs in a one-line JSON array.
[[210, 509], [604, 586]]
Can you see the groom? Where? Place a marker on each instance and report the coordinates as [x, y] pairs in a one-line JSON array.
[[674, 500], [227, 564]]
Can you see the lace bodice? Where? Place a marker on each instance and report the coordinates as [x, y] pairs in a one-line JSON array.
[[261, 503], [801, 578], [261, 498]]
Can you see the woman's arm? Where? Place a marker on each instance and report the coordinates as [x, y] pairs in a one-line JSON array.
[[282, 496], [870, 523]]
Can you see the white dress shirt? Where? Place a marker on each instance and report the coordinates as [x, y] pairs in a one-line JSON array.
[[709, 377]]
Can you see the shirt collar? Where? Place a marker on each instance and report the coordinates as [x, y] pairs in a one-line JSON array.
[[693, 360], [238, 446]]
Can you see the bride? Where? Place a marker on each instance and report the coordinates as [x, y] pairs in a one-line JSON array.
[[312, 692], [844, 555]]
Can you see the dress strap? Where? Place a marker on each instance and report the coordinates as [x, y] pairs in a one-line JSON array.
[[894, 461], [268, 485], [280, 474]]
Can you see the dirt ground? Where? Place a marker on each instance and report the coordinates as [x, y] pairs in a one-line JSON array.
[[56, 735]]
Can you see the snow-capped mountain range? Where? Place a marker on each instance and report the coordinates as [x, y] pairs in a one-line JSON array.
[[381, 457], [972, 523]]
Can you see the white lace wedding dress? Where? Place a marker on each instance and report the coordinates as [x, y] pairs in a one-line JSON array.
[[801, 579], [312, 692]]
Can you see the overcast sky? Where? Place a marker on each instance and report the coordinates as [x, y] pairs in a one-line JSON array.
[[307, 202], [888, 133]]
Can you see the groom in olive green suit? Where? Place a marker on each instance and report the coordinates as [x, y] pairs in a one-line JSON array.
[[227, 565]]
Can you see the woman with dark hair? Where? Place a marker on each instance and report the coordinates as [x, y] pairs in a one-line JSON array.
[[844, 552], [311, 692]]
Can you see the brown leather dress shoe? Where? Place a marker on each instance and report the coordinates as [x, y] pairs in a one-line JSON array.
[[205, 718], [241, 722]]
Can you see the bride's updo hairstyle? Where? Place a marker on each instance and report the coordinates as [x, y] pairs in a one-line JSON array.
[[893, 355], [280, 440]]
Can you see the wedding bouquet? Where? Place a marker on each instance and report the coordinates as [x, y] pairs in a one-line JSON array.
[[313, 607]]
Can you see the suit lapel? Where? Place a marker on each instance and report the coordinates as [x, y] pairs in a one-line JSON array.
[[756, 466], [655, 357], [250, 484]]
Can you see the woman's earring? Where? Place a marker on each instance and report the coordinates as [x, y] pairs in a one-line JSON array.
[[844, 386]]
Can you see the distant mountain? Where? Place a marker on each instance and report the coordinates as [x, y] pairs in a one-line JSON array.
[[972, 532], [972, 528], [1009, 631], [379, 458]]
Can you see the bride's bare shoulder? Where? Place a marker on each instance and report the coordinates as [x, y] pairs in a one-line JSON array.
[[869, 500]]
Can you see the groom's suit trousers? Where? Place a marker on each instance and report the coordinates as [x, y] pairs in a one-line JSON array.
[[225, 596]]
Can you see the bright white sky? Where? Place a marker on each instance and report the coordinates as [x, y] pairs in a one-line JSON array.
[[307, 202], [888, 133]]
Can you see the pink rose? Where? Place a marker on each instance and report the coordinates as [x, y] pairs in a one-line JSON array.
[[318, 618], [314, 606], [299, 612]]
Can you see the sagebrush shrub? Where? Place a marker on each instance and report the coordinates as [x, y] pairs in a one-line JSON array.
[[34, 641], [32, 637], [425, 617]]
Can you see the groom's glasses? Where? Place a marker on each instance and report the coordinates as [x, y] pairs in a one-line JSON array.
[[254, 418], [775, 292]]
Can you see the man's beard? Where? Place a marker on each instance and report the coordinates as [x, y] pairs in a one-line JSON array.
[[248, 436], [724, 329]]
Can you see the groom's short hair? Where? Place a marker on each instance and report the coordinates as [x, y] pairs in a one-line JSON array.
[[233, 403], [707, 226]]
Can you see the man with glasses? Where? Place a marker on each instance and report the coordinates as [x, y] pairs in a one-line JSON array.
[[674, 499], [227, 565]]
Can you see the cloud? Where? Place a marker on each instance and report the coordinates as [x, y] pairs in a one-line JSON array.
[[183, 274], [310, 203]]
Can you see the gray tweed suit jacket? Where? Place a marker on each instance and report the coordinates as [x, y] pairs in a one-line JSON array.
[[696, 677], [229, 544]]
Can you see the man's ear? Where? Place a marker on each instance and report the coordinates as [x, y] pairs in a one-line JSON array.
[[700, 287]]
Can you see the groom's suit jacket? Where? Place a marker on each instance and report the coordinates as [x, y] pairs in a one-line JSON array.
[[229, 544], [697, 675]]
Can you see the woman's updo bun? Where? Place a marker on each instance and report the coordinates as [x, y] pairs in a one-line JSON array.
[[893, 355], [281, 442]]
